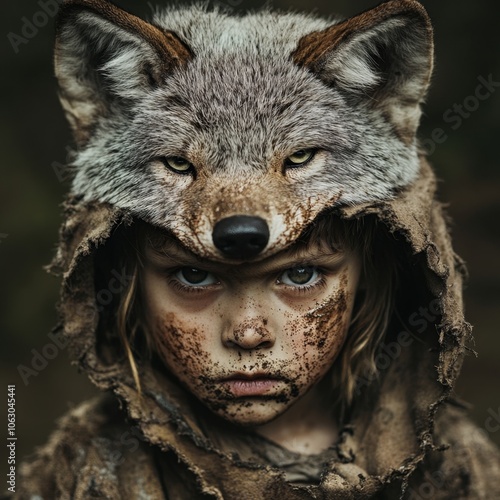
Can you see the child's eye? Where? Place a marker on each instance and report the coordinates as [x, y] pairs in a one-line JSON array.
[[178, 164], [195, 277], [300, 158], [299, 276]]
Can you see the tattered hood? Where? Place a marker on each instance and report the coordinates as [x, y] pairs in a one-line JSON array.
[[391, 426], [130, 167]]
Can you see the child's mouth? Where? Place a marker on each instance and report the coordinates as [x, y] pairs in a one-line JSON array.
[[243, 384]]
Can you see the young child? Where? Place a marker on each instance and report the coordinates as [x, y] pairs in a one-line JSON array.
[[255, 269]]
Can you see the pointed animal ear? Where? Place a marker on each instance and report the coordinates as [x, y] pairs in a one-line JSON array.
[[384, 55], [106, 57]]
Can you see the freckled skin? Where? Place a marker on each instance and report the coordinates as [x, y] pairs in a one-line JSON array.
[[249, 321]]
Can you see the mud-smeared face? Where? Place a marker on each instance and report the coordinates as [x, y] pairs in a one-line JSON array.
[[249, 340]]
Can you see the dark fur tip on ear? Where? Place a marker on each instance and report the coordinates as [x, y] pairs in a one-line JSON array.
[[105, 58], [314, 46], [171, 50], [384, 54]]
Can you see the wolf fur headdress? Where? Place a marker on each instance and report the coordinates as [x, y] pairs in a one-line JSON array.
[[187, 121]]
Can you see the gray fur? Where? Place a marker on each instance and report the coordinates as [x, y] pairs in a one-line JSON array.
[[239, 107]]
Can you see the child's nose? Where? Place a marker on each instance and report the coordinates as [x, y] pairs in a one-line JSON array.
[[250, 334]]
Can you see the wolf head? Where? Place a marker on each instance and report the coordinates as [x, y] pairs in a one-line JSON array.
[[234, 133]]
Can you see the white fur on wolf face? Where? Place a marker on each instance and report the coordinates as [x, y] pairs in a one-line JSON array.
[[250, 319]]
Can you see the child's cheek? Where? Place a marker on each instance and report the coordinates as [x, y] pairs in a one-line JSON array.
[[317, 337], [181, 347]]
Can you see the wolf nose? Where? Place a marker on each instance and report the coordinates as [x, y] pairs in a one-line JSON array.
[[241, 236]]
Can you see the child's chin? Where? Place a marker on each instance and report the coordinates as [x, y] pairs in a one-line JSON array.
[[251, 413]]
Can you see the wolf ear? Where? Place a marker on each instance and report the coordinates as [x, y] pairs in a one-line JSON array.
[[106, 57], [384, 55]]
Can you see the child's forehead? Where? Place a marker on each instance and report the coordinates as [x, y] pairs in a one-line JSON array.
[[167, 248]]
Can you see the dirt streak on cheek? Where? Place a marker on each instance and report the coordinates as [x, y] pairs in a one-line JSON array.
[[327, 321], [180, 347], [319, 335]]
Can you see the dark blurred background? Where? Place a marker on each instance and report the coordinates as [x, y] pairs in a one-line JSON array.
[[34, 137]]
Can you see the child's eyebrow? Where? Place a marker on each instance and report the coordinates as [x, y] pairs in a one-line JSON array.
[[295, 256], [173, 251], [299, 257]]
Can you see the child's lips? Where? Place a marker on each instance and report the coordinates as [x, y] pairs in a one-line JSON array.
[[245, 384]]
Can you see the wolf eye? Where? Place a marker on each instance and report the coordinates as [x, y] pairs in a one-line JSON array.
[[299, 276], [300, 158], [178, 164]]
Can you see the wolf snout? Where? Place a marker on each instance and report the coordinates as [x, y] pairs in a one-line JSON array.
[[241, 236]]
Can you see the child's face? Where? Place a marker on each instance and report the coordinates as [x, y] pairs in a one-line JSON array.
[[249, 340]]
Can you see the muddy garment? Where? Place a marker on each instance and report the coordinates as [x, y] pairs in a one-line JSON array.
[[404, 438]]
